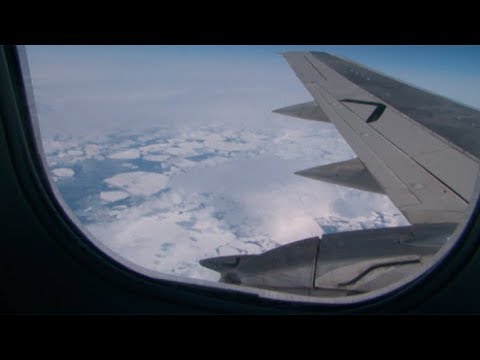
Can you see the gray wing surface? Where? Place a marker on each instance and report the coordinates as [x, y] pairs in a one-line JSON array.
[[418, 148], [421, 149]]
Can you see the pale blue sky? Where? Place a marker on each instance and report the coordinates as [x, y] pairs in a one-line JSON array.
[[103, 88]]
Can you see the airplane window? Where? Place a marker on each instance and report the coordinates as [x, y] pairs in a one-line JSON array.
[[174, 158]]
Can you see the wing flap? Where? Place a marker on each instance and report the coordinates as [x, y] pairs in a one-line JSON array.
[[349, 262]]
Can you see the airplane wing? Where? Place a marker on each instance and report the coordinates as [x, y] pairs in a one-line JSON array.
[[418, 148]]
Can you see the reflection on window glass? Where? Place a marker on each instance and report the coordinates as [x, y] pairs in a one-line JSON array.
[[170, 155]]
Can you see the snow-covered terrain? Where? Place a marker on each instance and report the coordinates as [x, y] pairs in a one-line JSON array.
[[209, 191]]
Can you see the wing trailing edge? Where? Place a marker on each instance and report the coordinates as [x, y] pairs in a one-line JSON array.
[[337, 264], [416, 147], [407, 138]]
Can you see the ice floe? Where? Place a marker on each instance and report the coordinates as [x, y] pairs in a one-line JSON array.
[[63, 172], [129, 154], [112, 196], [139, 183]]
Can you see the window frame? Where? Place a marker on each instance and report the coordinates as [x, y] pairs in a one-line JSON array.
[[22, 132]]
